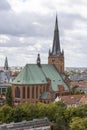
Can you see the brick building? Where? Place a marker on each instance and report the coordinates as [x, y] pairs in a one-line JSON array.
[[42, 82]]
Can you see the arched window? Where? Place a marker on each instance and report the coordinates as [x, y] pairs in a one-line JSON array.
[[28, 92], [23, 92], [40, 89], [61, 69], [17, 92], [43, 88], [36, 91], [32, 91]]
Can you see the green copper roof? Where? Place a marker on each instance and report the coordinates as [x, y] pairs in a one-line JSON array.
[[33, 74]]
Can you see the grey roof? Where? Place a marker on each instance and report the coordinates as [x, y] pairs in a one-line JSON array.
[[26, 125], [5, 76], [56, 42], [78, 77]]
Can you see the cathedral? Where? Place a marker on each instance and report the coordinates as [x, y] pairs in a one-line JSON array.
[[42, 82]]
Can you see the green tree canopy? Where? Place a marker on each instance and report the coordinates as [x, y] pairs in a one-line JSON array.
[[78, 123], [9, 99]]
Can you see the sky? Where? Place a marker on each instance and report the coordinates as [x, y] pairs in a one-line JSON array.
[[27, 28]]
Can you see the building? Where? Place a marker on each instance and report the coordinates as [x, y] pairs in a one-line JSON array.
[[42, 82], [79, 86], [73, 100], [35, 124], [5, 78]]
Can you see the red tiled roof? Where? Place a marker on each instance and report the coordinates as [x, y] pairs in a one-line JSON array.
[[71, 99]]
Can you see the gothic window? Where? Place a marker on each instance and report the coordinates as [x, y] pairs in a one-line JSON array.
[[28, 92], [17, 92], [36, 91], [32, 91], [40, 88], [61, 68], [47, 88], [23, 92], [43, 88]]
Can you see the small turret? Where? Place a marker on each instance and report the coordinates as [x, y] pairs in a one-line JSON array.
[[39, 60]]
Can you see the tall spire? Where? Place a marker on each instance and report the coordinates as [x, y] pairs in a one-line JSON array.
[[56, 42], [6, 64]]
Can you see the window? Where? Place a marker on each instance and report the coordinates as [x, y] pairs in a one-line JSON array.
[[40, 89], [28, 92], [0, 90], [44, 89], [17, 92], [23, 92], [47, 88], [61, 68], [32, 91], [36, 91], [3, 90]]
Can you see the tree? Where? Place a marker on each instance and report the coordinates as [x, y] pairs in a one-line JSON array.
[[61, 123], [42, 110], [78, 123], [5, 114], [9, 99], [17, 114]]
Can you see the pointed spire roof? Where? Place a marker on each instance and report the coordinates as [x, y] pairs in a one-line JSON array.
[[56, 42], [6, 64]]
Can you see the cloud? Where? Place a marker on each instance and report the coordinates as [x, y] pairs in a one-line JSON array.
[[4, 5], [27, 27]]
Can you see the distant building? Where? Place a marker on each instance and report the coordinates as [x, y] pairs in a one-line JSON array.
[[78, 77], [42, 82], [5, 77], [73, 100], [79, 86]]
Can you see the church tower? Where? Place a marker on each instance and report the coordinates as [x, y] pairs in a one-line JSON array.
[[56, 56], [6, 64]]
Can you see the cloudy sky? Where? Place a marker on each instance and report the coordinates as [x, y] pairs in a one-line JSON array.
[[27, 28]]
